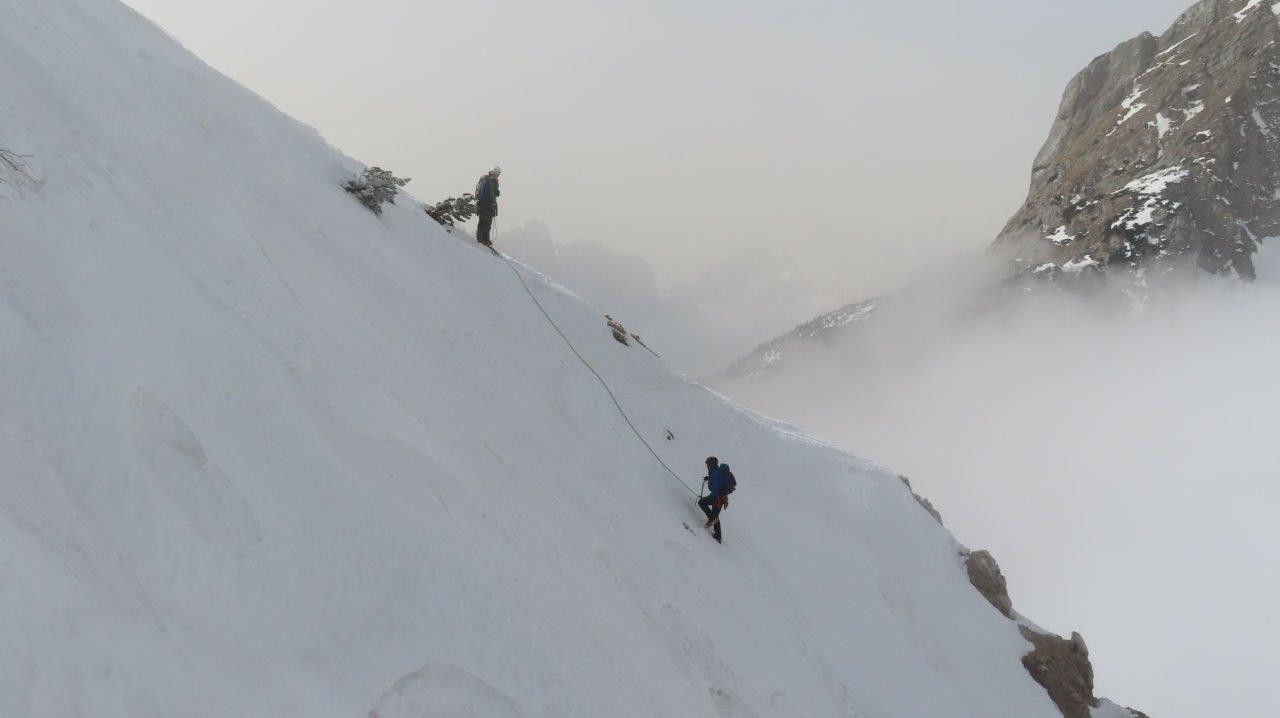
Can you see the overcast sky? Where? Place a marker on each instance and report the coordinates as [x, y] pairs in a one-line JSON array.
[[865, 137]]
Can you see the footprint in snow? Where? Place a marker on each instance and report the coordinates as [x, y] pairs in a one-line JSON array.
[[441, 690]]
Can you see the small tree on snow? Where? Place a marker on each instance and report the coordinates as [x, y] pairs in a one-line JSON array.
[[375, 187], [454, 209]]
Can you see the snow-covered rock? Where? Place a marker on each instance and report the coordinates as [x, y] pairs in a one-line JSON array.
[[818, 332]]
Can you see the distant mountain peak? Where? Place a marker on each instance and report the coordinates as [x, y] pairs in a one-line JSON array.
[[770, 355]]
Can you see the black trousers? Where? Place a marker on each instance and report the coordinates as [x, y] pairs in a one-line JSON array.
[[711, 507], [482, 232]]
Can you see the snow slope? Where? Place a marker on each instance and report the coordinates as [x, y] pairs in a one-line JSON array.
[[266, 454]]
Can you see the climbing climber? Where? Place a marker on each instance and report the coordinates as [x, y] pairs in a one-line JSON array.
[[487, 194], [720, 483]]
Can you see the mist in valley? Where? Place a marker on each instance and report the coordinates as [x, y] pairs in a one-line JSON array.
[[699, 326], [1121, 466]]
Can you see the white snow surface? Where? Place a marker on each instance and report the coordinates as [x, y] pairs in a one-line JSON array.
[[1169, 50], [1150, 189], [1131, 105], [1060, 236], [1076, 266], [1244, 12], [1107, 709], [266, 454], [1157, 182], [844, 319], [1261, 122]]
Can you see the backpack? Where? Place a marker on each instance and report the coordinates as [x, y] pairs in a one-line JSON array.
[[487, 191], [731, 483]]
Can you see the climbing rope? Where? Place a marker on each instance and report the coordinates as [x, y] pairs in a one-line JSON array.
[[599, 378]]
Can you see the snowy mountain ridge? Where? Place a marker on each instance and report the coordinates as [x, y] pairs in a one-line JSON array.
[[268, 454], [770, 355]]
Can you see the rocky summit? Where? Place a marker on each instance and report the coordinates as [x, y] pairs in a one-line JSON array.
[[1164, 159], [1164, 156]]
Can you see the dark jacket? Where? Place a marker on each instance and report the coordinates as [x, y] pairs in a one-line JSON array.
[[487, 194], [719, 481]]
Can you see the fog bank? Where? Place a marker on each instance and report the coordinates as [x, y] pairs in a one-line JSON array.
[[698, 327], [1122, 469]]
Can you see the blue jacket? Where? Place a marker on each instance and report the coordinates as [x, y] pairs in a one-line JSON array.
[[718, 481]]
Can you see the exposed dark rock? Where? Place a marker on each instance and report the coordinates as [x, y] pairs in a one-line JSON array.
[[619, 331], [1165, 155], [985, 575], [926, 503], [1062, 666], [1058, 664]]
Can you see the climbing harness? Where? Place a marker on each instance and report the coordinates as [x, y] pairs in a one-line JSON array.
[[599, 378]]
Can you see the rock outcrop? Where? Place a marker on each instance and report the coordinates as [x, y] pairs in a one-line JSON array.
[[985, 575], [1165, 155], [925, 503], [624, 337], [1060, 665]]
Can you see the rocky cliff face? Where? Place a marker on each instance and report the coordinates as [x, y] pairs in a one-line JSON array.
[[1164, 155], [815, 333], [1164, 159]]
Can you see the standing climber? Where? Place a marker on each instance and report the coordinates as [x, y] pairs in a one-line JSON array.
[[720, 483], [487, 204]]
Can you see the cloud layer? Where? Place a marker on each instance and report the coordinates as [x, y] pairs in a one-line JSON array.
[[1123, 469]]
